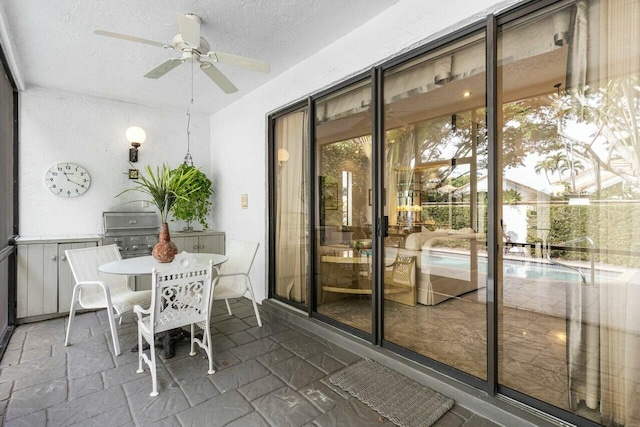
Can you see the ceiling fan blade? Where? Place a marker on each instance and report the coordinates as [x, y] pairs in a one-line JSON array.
[[218, 78], [189, 28], [240, 61], [129, 38], [163, 68]]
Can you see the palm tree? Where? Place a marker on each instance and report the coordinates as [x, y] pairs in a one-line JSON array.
[[511, 196], [573, 167], [551, 164]]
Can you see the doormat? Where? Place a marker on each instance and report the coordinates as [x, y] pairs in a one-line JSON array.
[[403, 401]]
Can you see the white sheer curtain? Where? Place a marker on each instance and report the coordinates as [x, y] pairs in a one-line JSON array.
[[603, 325], [291, 205]]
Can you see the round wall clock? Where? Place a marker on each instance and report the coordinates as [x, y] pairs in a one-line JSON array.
[[67, 180]]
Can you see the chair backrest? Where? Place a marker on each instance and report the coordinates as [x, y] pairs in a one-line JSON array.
[[180, 295], [84, 265], [366, 269], [241, 256], [404, 268]]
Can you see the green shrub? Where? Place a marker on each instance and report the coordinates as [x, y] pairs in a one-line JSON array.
[[608, 225]]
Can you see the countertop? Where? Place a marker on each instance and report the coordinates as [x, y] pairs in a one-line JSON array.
[[57, 238], [194, 233], [53, 238]]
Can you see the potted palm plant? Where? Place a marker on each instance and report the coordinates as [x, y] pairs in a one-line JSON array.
[[165, 187], [195, 206]]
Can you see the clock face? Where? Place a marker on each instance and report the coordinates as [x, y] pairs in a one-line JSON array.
[[67, 180]]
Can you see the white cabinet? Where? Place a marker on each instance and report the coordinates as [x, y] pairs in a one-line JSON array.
[[45, 282], [187, 244], [210, 242]]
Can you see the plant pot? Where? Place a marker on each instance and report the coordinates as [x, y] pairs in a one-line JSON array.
[[165, 250]]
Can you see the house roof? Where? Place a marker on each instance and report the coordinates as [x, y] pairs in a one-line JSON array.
[[482, 186], [586, 180]]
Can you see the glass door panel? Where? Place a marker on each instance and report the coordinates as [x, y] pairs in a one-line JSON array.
[[291, 224], [343, 210], [570, 142], [435, 177]]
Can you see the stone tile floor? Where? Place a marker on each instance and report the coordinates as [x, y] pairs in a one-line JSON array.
[[533, 341], [276, 375]]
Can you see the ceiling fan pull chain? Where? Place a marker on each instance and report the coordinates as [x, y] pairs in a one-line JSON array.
[[192, 61], [188, 160]]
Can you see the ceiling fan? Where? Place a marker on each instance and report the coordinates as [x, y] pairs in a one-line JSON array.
[[194, 48]]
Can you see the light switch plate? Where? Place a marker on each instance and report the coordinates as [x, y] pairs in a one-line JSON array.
[[244, 201]]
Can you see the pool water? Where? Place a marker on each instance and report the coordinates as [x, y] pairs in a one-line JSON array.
[[523, 269]]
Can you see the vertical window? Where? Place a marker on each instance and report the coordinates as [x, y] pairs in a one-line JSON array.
[[291, 224], [570, 143]]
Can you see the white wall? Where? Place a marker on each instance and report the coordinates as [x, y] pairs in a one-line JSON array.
[[239, 134], [58, 126]]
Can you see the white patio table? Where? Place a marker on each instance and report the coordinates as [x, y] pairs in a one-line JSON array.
[[144, 265]]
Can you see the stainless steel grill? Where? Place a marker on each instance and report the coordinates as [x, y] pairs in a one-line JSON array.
[[135, 233]]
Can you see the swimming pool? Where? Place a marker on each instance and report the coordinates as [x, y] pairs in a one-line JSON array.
[[523, 269]]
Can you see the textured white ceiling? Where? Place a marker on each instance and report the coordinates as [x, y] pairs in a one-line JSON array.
[[54, 45]]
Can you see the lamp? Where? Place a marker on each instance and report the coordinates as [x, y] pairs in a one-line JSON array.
[[136, 136], [283, 155]]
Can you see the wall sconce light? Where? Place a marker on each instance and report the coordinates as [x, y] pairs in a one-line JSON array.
[[283, 156], [136, 136]]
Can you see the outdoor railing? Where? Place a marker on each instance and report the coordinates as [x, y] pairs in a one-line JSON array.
[[593, 267]]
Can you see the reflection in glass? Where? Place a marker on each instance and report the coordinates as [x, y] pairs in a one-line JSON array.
[[343, 155], [291, 206], [435, 177], [570, 297]]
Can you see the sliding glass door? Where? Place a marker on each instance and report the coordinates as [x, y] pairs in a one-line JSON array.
[[343, 212], [435, 160], [570, 144], [506, 256]]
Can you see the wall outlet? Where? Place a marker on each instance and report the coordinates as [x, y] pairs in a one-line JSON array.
[[244, 201]]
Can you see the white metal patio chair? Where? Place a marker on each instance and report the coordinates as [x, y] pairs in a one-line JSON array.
[[181, 296], [233, 276], [97, 290]]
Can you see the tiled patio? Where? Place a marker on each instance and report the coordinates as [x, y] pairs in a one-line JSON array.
[[276, 375]]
